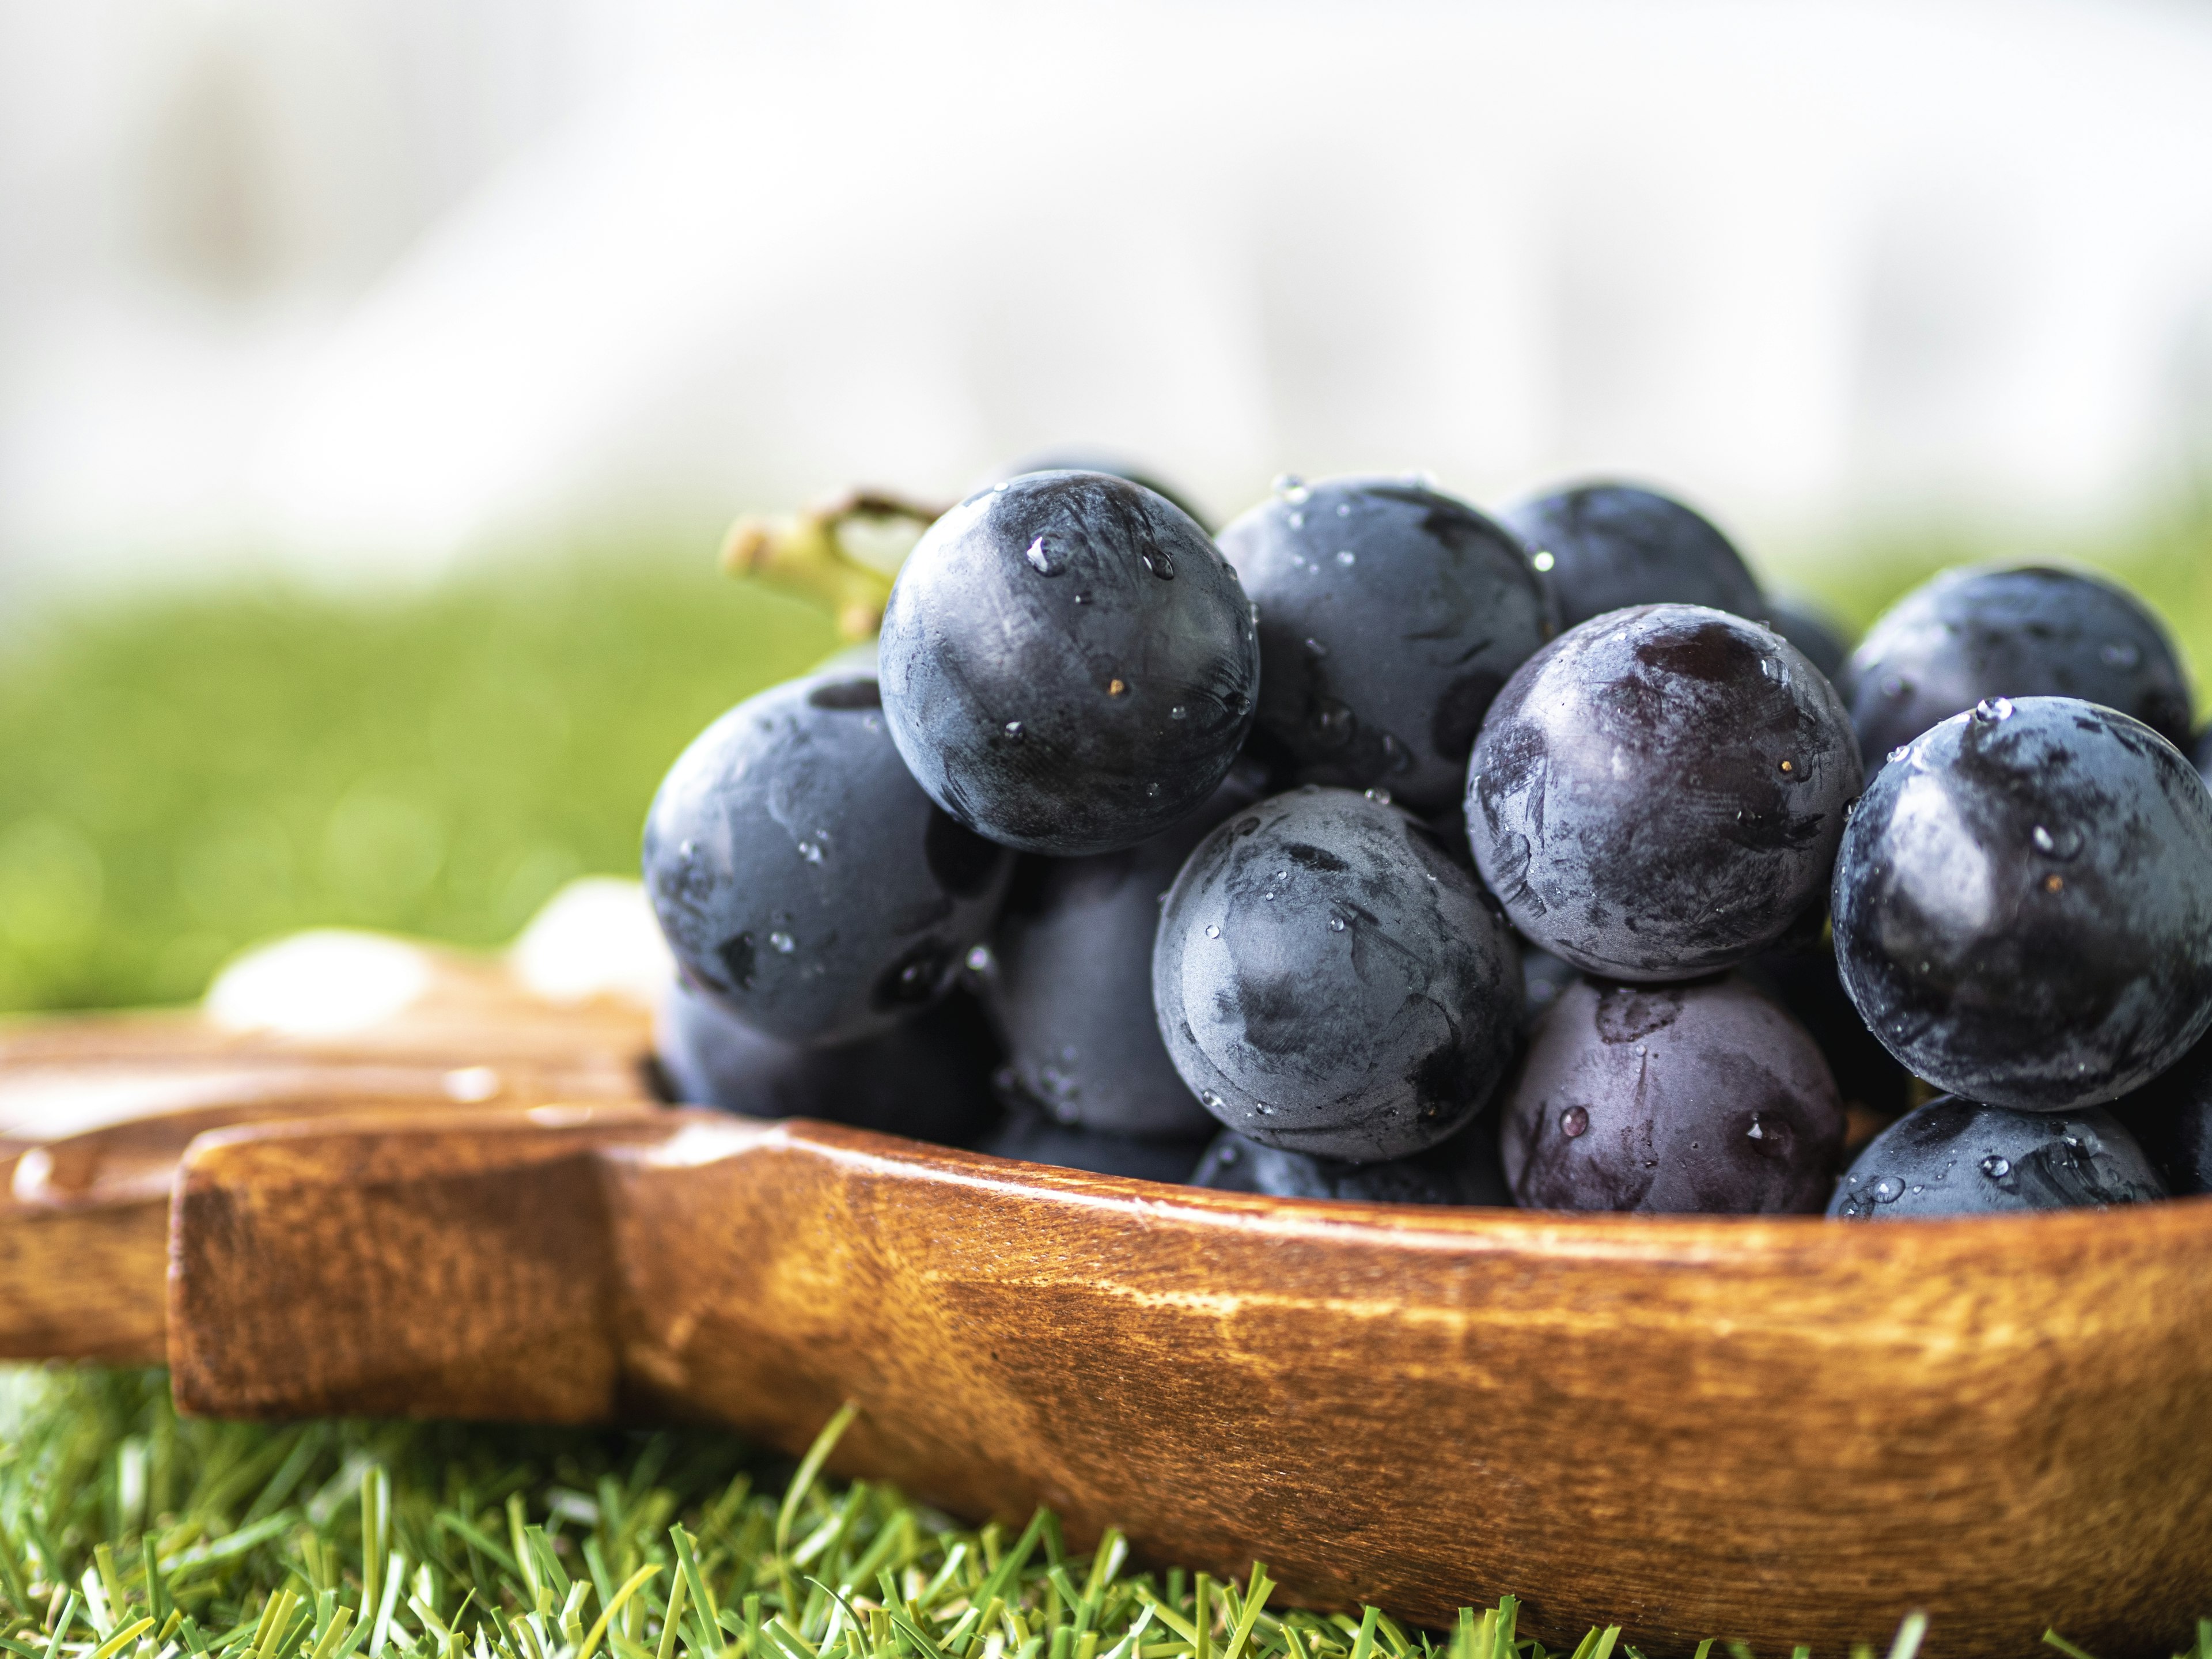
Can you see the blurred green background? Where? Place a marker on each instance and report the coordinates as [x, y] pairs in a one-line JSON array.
[[185, 774]]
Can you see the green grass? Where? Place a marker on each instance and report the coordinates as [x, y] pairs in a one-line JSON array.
[[128, 1534], [184, 775]]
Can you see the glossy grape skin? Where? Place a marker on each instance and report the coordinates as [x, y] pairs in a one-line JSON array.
[[1615, 545], [1069, 982], [1068, 664], [927, 1078], [1462, 1171], [1328, 983], [1658, 793], [1952, 1157], [1029, 1135], [2023, 905], [1389, 616], [2021, 632], [1092, 460], [802, 879], [1701, 1098], [2171, 1118]]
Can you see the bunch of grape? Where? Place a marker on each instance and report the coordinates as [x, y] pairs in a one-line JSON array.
[[1380, 849]]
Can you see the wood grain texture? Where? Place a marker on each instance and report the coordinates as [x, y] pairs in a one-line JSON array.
[[95, 1111], [1783, 1430]]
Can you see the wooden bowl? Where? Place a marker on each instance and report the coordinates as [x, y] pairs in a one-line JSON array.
[[1786, 1430]]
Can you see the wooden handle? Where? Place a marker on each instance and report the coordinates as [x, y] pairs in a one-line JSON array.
[[383, 1266], [95, 1111], [1784, 1430]]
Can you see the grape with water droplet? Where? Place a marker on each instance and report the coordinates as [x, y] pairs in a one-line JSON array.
[[800, 947], [1952, 1157], [1388, 621], [1084, 608], [1969, 635], [1363, 1043], [1701, 1097], [2024, 915]]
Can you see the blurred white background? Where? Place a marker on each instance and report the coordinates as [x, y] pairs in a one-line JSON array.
[[370, 284]]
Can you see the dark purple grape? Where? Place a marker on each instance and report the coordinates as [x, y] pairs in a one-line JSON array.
[[1605, 546], [2026, 632], [1068, 663], [928, 1077], [1954, 1158], [2023, 905], [1327, 981], [1077, 459], [801, 878], [1463, 1169], [1390, 615], [1070, 980], [1705, 1097], [1658, 793]]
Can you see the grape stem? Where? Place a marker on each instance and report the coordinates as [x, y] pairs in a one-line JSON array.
[[804, 553]]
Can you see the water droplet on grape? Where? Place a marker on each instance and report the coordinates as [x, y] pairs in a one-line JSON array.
[[1573, 1121], [1290, 486], [1336, 924], [1997, 1168], [785, 944], [1345, 556], [811, 852], [1178, 712], [1380, 797], [1014, 730], [1543, 561], [2062, 843], [979, 959], [1157, 561], [1990, 710], [1152, 792], [1041, 559], [1886, 1190], [1213, 932], [1901, 751]]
